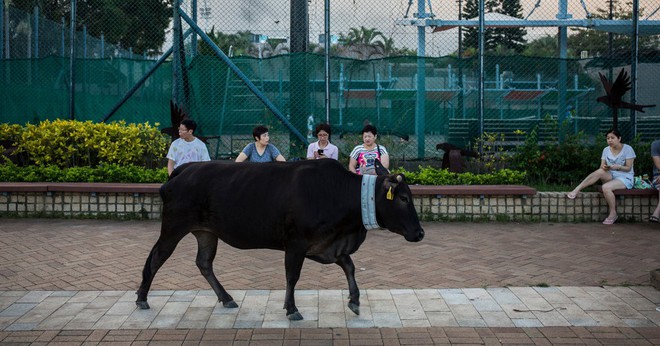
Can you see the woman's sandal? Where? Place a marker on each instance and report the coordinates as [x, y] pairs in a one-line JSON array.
[[609, 221], [654, 218]]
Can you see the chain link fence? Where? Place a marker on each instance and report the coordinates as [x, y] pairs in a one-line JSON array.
[[125, 69]]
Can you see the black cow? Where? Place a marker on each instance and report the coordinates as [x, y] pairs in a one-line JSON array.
[[308, 208]]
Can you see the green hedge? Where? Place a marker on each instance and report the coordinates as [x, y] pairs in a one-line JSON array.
[[70, 143], [105, 173], [438, 176]]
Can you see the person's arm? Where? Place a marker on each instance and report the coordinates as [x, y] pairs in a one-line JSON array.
[[280, 158], [656, 162], [626, 168], [603, 165], [335, 153], [241, 157], [351, 165], [170, 166], [310, 152], [385, 160]]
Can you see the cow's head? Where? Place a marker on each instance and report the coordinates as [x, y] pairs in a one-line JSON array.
[[394, 207]]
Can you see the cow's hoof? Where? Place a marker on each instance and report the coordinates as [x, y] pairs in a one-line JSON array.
[[354, 307], [142, 305], [296, 316], [230, 304]]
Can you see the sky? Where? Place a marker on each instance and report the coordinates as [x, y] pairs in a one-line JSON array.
[[271, 17]]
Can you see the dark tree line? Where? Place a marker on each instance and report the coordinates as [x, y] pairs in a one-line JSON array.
[[495, 39], [138, 24]]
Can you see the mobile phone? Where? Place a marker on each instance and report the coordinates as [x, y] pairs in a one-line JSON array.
[[320, 151]]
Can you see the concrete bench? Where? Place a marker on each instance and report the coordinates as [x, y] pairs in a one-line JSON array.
[[474, 190], [80, 187], [632, 192]]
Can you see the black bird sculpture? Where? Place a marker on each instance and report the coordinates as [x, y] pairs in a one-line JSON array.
[[177, 115], [614, 94]]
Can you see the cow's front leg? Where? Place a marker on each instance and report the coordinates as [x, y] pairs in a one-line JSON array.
[[207, 246], [160, 252], [293, 262], [346, 263]]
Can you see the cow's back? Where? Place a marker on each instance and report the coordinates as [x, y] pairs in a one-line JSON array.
[[258, 205]]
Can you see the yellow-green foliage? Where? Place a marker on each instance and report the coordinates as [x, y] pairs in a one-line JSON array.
[[69, 143], [10, 132]]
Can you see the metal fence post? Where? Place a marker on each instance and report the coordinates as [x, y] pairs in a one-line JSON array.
[[36, 32], [420, 106], [62, 29], [2, 22], [72, 64], [633, 65]]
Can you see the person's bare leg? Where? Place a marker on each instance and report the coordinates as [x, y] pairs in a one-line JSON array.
[[599, 174], [608, 193], [656, 212]]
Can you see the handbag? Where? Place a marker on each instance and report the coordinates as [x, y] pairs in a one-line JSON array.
[[378, 166]]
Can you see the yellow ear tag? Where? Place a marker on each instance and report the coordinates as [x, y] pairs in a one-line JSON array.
[[389, 194]]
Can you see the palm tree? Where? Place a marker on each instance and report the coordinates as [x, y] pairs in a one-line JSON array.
[[363, 43]]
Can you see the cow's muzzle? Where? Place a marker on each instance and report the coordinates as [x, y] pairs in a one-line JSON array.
[[415, 236]]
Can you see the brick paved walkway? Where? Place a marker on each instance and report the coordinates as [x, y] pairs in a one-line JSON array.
[[70, 256]]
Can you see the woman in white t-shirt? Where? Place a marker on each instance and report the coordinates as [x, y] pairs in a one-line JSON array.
[[322, 148], [616, 172]]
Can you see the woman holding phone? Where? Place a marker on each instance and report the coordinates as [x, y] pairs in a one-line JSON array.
[[615, 172], [322, 148]]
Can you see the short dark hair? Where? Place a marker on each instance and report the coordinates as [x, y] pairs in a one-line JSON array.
[[258, 131], [322, 127], [189, 124], [614, 132], [369, 128]]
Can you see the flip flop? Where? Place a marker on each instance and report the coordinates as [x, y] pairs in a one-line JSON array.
[[571, 195], [654, 218], [609, 221]]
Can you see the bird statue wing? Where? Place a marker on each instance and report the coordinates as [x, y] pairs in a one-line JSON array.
[[606, 84], [621, 85]]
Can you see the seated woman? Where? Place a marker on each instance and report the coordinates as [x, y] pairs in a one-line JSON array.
[[655, 155], [616, 172], [261, 150]]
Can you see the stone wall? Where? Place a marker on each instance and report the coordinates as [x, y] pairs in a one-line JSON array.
[[81, 205], [544, 206]]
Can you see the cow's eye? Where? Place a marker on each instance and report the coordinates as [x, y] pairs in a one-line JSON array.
[[404, 199]]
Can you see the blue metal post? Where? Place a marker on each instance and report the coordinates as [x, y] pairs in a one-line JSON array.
[[420, 106], [220, 54], [563, 69]]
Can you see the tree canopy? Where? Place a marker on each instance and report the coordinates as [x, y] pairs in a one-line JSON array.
[[140, 25], [502, 40]]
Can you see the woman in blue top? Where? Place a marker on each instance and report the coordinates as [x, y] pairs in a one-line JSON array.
[[260, 150], [616, 172]]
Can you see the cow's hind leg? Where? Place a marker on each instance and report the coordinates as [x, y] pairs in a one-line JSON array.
[[346, 263], [207, 245], [293, 262], [161, 251]]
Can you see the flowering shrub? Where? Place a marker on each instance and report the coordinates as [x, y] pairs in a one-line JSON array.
[[68, 143]]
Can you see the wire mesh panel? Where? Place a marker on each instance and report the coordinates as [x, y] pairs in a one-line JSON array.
[[530, 82]]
